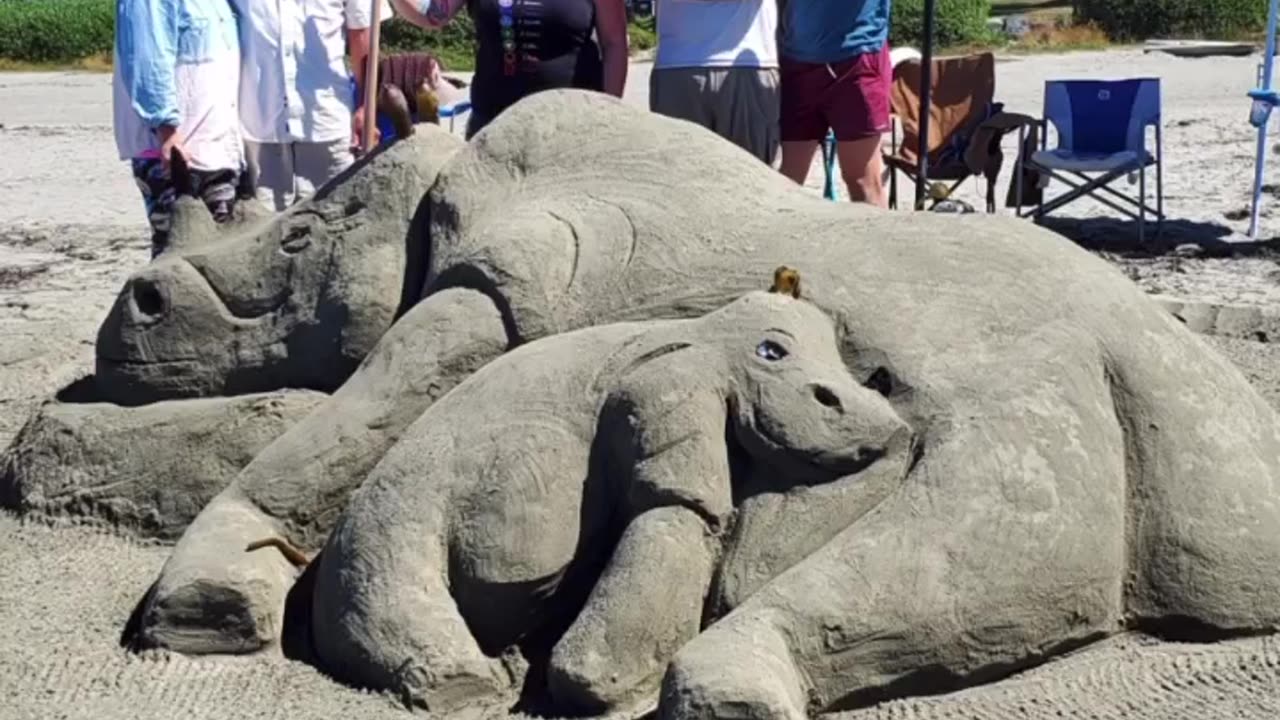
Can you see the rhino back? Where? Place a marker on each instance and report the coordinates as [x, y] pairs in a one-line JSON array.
[[580, 209]]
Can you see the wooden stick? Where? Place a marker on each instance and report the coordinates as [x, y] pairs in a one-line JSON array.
[[371, 79]]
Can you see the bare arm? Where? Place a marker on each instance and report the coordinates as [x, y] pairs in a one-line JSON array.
[[430, 14], [358, 43], [611, 29]]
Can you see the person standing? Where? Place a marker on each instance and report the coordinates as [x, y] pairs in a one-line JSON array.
[[717, 66], [837, 75], [526, 46], [299, 122], [174, 87]]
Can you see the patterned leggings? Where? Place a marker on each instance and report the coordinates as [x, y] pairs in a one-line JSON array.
[[217, 188]]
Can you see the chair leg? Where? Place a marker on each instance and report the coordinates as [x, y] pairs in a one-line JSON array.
[[1090, 188], [1019, 168], [828, 168], [1159, 197], [1142, 205], [1159, 181], [893, 188], [1037, 215]]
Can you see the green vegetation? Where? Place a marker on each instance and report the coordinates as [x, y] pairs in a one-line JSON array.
[[1140, 19], [79, 33], [1000, 8], [956, 22], [452, 44], [55, 31]]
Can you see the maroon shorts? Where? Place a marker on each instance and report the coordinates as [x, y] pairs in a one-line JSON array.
[[851, 97]]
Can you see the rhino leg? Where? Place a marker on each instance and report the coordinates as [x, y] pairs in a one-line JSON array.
[[212, 596], [383, 616], [668, 421], [746, 673], [1204, 488], [647, 604], [1004, 546]]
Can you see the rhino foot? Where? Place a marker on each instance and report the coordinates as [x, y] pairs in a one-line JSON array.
[[178, 620], [213, 596], [750, 677]]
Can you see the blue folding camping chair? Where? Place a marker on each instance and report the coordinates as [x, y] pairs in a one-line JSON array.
[[1101, 128]]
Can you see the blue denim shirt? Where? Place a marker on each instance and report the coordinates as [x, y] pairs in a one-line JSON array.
[[153, 37]]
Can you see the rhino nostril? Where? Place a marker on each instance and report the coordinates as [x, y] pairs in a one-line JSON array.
[[824, 395], [880, 381], [147, 298]]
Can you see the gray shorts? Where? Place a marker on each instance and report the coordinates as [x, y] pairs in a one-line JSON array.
[[740, 104], [285, 173]]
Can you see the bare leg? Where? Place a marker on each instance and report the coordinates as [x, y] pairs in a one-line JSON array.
[[863, 170], [797, 159], [649, 601], [297, 486], [1204, 476]]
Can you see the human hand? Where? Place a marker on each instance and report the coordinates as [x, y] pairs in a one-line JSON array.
[[357, 130], [170, 140]]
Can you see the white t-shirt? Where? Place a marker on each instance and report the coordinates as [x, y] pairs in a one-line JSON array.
[[717, 33], [294, 85]]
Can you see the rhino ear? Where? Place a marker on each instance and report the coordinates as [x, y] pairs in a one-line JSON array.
[[180, 174], [786, 281]]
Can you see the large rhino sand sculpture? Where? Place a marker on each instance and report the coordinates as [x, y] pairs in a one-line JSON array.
[[592, 471], [1086, 465]]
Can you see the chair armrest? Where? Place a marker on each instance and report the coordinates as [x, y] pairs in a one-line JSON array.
[[1004, 122]]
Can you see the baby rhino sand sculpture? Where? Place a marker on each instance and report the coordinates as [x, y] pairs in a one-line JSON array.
[[600, 448], [1083, 465]]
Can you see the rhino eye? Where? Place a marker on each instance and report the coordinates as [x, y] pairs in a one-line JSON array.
[[297, 240], [771, 351]]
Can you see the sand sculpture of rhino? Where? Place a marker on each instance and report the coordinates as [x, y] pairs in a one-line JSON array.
[[1085, 465], [587, 475]]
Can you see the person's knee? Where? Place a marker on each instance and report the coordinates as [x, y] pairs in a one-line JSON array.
[[861, 168], [864, 183], [797, 158]]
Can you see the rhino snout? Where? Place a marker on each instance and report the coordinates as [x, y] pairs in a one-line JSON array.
[[873, 431]]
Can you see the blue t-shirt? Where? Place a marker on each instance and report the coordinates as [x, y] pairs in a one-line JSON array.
[[828, 31]]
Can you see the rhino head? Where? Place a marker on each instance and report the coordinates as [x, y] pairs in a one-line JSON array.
[[262, 302]]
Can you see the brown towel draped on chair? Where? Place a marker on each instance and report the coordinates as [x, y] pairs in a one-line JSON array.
[[966, 125]]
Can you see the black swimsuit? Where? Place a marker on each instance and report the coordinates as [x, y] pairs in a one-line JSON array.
[[524, 46]]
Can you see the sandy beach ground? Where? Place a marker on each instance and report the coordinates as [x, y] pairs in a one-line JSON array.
[[72, 229]]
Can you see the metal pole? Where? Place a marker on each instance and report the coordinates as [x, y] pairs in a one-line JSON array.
[[926, 101], [1261, 161], [371, 79]]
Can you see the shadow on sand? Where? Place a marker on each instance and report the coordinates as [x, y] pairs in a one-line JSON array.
[[1186, 238]]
